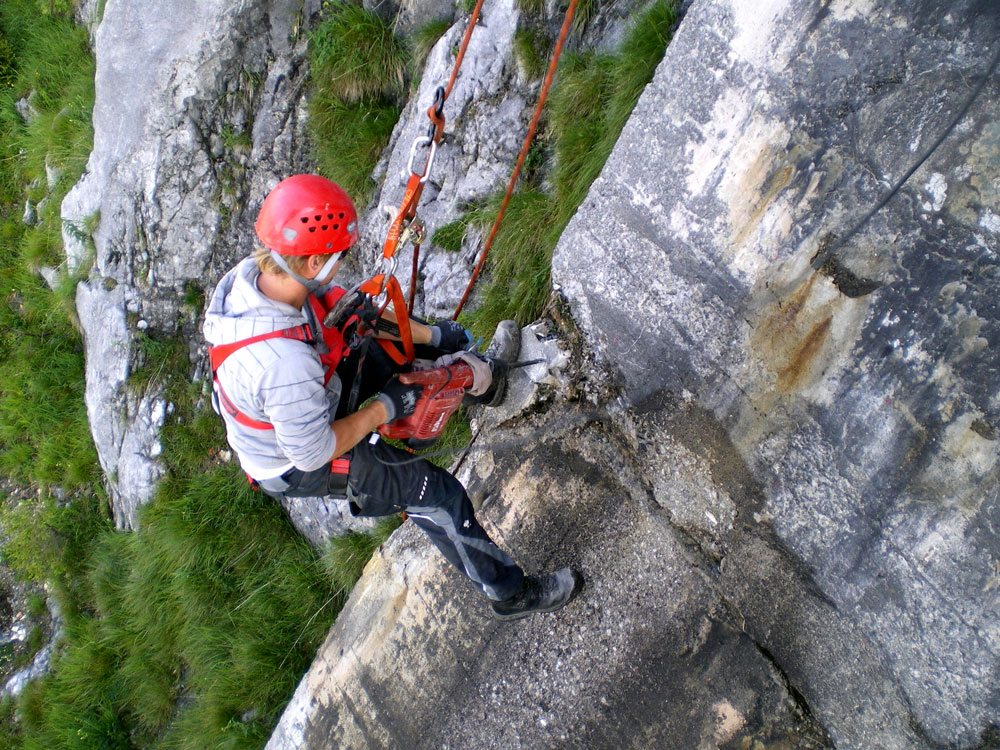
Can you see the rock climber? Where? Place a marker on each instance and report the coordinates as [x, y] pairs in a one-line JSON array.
[[282, 377]]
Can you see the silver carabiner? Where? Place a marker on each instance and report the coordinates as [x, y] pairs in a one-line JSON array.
[[389, 269], [421, 140]]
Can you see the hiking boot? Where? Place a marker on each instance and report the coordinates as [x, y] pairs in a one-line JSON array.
[[544, 593], [500, 354]]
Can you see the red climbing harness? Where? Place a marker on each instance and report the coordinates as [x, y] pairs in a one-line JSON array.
[[335, 340]]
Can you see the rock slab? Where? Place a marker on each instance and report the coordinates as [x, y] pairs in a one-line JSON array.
[[854, 376], [196, 117]]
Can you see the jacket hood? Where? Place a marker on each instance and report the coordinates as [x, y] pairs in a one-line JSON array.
[[238, 309]]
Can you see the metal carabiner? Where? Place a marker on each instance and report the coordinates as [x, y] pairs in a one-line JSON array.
[[421, 140], [439, 101], [388, 269]]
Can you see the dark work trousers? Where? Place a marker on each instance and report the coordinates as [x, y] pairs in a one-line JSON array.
[[384, 480]]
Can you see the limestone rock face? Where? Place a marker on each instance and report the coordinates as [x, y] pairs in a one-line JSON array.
[[197, 114], [486, 116], [786, 518], [646, 657], [857, 380]]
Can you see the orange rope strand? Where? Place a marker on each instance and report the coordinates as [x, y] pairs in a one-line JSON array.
[[461, 50], [524, 151]]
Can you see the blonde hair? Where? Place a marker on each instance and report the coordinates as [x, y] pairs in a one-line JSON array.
[[266, 264]]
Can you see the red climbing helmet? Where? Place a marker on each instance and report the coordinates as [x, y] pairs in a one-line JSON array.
[[306, 214]]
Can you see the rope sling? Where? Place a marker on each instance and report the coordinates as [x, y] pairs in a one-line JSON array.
[[406, 228]]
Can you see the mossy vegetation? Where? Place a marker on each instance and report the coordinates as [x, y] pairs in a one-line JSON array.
[[192, 632], [358, 72], [592, 98]]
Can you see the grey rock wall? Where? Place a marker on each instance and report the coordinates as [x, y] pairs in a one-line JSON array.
[[647, 657], [787, 518], [197, 114], [485, 118], [856, 382]]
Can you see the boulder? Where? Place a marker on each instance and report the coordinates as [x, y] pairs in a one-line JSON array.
[[647, 656]]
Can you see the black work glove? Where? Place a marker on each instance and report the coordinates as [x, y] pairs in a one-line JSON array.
[[449, 337], [400, 400]]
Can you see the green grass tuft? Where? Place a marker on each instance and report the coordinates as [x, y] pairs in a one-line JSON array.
[[450, 236], [349, 138], [355, 55], [531, 48], [519, 261], [44, 435], [346, 556], [358, 72], [159, 358], [531, 8], [423, 40], [592, 98], [200, 624]]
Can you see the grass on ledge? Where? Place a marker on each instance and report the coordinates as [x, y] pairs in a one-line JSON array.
[[194, 631], [357, 78], [591, 100]]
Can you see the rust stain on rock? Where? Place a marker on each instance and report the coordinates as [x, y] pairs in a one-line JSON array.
[[793, 334], [807, 353], [773, 184], [784, 314]]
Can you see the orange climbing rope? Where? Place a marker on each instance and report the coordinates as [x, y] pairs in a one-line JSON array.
[[553, 63], [415, 184], [404, 227]]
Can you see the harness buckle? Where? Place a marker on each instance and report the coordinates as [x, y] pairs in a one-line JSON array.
[[417, 232], [413, 232]]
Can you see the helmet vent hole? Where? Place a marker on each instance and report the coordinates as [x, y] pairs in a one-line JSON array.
[[305, 219], [318, 218], [312, 229], [341, 215], [329, 216], [325, 227], [336, 226]]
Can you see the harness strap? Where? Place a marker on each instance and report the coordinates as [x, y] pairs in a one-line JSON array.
[[220, 353], [394, 295], [231, 409]]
